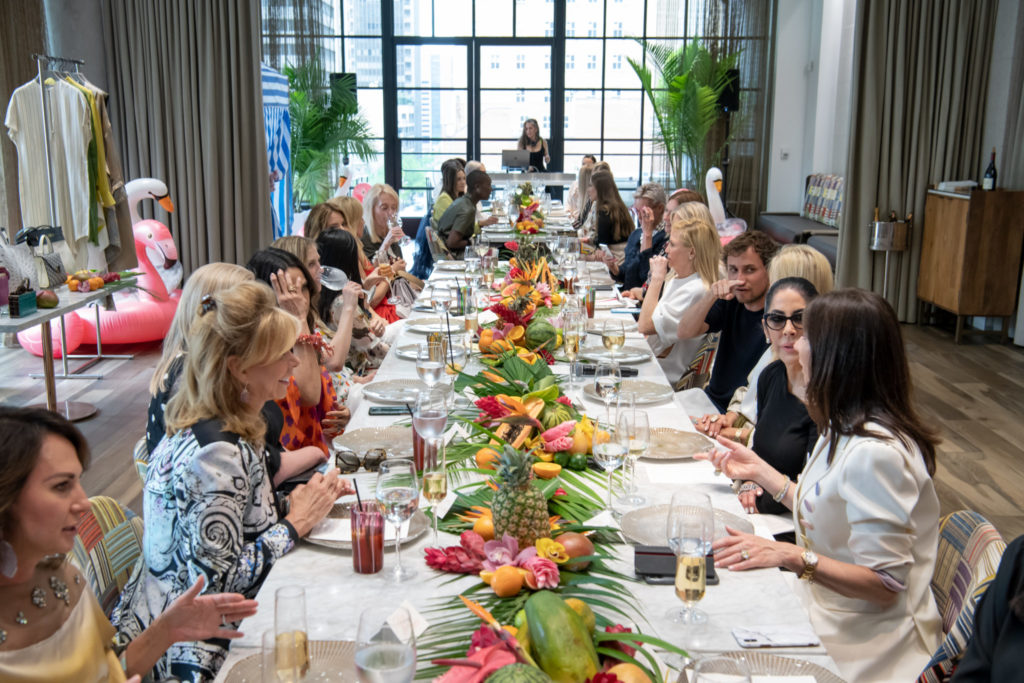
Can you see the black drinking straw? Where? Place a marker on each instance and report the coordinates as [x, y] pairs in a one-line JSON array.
[[359, 500]]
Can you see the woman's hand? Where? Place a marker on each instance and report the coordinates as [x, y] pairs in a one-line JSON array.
[[351, 293], [371, 281], [365, 379], [739, 551], [377, 325], [289, 294], [748, 494], [398, 265], [712, 424], [199, 617], [647, 219], [336, 421], [736, 461], [310, 502], [659, 266], [636, 293]]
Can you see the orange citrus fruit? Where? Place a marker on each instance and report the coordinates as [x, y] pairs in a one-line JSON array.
[[485, 458], [485, 527], [629, 673], [507, 581]]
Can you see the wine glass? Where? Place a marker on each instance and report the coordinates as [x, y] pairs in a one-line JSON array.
[[633, 431], [613, 336], [398, 494], [430, 363], [429, 419], [608, 454], [286, 646], [573, 329], [720, 669], [395, 222], [569, 268], [690, 529], [607, 382], [385, 646], [481, 247]]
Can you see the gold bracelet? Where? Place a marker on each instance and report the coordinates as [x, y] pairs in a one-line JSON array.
[[782, 493]]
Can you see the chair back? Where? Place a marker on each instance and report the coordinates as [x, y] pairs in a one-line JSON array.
[[968, 556], [140, 456], [699, 372], [107, 546], [438, 249]]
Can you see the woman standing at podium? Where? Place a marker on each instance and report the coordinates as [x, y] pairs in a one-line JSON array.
[[537, 146]]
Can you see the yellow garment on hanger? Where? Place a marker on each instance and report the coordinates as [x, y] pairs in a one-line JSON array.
[[103, 194]]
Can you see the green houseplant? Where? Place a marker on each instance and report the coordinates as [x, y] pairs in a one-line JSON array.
[[683, 90], [326, 126]]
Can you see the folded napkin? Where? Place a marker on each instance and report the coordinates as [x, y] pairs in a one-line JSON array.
[[775, 636]]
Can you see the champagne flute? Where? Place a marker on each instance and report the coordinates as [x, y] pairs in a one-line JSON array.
[[572, 338], [385, 646], [430, 363], [690, 529], [291, 644], [429, 419], [633, 431], [613, 336], [607, 382], [608, 454], [398, 494]]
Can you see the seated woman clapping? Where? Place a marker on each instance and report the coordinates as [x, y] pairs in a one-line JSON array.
[[52, 628], [209, 506]]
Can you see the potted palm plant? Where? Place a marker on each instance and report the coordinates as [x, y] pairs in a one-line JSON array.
[[683, 89], [327, 126]]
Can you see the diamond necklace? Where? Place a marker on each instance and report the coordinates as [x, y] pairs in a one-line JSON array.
[[38, 596]]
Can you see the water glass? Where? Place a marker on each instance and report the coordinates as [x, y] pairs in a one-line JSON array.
[[634, 432], [608, 454], [398, 493], [430, 363], [607, 382], [613, 336], [385, 646], [367, 537]]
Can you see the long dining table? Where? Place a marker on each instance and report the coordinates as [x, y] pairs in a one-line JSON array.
[[335, 595]]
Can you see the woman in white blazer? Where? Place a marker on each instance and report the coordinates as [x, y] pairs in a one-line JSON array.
[[865, 508]]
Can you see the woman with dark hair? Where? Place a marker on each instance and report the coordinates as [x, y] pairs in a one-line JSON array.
[[453, 186], [52, 628], [785, 432], [614, 223], [310, 407], [865, 509], [339, 306], [533, 143]]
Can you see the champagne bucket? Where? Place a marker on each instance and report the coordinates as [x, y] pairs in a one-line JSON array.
[[889, 236]]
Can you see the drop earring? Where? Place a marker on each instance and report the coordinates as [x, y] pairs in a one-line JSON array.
[[245, 394]]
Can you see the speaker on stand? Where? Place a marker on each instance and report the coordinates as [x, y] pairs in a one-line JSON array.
[[729, 101]]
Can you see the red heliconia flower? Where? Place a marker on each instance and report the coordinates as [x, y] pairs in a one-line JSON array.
[[491, 406], [621, 645], [481, 638], [546, 355], [564, 400], [515, 273], [512, 246], [561, 492], [603, 677]]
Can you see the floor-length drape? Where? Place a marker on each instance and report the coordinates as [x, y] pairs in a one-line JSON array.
[[186, 104], [921, 78]]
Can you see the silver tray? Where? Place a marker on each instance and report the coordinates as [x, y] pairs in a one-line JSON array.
[[330, 660], [765, 664], [418, 525], [647, 393], [669, 443], [647, 526], [394, 390], [395, 439], [627, 355]]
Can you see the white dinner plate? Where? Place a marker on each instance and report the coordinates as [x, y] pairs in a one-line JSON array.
[[597, 326], [669, 443], [627, 355], [647, 393], [450, 265], [408, 352], [648, 526], [428, 325], [394, 391]]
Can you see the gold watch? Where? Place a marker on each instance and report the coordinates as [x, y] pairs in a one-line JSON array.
[[810, 559]]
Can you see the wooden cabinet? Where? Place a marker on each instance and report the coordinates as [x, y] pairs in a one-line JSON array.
[[970, 256]]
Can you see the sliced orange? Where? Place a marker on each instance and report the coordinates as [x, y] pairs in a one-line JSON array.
[[547, 470]]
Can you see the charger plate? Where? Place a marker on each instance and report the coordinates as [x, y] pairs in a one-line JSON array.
[[395, 439], [765, 664], [647, 393], [646, 526], [450, 265], [394, 390], [669, 443], [628, 355], [330, 660], [418, 525], [597, 326], [409, 351], [428, 325]]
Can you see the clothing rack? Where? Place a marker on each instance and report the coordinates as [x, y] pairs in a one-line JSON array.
[[45, 103]]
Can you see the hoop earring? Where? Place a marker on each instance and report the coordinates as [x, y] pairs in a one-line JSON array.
[[244, 395]]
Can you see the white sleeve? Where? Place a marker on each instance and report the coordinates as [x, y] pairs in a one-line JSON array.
[[671, 307]]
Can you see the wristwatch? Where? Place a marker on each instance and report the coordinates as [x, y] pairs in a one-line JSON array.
[[810, 559]]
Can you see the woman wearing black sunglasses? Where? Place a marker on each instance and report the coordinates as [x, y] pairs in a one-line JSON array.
[[785, 432]]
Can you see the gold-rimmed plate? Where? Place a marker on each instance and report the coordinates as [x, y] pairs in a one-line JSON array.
[[627, 355], [417, 526], [330, 660], [766, 664], [647, 526], [395, 439], [430, 325], [669, 443], [646, 393], [394, 391]]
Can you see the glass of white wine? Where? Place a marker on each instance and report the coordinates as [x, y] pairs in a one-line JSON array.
[[398, 493], [690, 529], [286, 648], [429, 419], [607, 382], [385, 646], [572, 337], [613, 336], [633, 431]]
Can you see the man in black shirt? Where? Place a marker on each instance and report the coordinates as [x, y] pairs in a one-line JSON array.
[[734, 306], [458, 223]]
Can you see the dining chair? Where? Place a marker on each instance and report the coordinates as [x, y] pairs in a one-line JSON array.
[[438, 249], [106, 548], [968, 556], [699, 372], [140, 457]]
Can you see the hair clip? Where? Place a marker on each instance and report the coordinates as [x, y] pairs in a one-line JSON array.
[[207, 304]]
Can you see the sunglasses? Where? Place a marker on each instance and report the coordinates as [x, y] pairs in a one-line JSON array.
[[777, 321], [348, 461]]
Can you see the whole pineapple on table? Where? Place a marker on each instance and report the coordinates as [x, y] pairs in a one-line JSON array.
[[519, 509]]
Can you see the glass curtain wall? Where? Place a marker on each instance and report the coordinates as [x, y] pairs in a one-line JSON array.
[[444, 78]]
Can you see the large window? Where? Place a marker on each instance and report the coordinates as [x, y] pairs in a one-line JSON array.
[[443, 78]]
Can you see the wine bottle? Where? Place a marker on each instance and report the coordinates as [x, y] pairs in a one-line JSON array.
[[988, 181]]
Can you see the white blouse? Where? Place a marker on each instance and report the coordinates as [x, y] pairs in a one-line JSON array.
[[676, 296]]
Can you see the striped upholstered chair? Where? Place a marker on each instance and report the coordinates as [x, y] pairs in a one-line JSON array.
[[699, 372], [969, 552], [140, 456], [108, 543]]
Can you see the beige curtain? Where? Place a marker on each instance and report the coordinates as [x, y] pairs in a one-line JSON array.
[[293, 31], [186, 104], [1011, 169], [21, 34], [920, 81]]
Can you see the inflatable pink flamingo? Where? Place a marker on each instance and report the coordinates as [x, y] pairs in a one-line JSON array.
[[141, 315]]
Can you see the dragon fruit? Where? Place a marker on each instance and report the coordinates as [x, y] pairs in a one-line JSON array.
[[558, 438]]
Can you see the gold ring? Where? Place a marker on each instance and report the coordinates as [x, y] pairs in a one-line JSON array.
[[744, 554], [293, 289]]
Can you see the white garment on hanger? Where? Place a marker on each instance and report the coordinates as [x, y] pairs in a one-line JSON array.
[[70, 135]]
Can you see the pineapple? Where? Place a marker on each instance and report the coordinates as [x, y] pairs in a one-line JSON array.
[[520, 510]]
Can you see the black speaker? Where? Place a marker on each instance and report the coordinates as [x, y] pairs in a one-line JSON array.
[[343, 91], [729, 99]]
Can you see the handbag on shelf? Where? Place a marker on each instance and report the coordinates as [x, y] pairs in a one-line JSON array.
[[50, 270]]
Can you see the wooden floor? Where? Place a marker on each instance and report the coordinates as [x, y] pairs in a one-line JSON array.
[[973, 393]]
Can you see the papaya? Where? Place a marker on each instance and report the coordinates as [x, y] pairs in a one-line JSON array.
[[517, 435], [559, 640]]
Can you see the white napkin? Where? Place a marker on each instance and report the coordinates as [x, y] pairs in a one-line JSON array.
[[332, 529], [775, 636]]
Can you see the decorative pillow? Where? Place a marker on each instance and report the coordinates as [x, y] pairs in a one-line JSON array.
[[107, 546]]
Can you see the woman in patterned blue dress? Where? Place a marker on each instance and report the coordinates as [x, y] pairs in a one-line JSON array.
[[210, 508]]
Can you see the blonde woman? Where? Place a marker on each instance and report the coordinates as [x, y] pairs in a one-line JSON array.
[[693, 251], [379, 205], [304, 249], [323, 217], [209, 504]]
